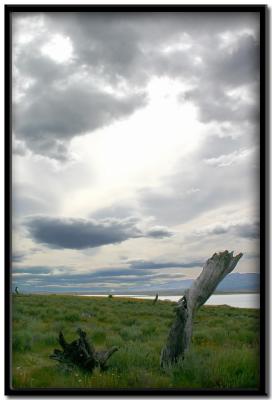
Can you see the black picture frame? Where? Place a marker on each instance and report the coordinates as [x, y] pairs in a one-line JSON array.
[[264, 146]]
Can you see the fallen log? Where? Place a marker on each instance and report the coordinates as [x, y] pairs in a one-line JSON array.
[[81, 353], [179, 337]]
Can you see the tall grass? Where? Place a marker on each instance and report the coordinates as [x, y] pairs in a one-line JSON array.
[[224, 351]]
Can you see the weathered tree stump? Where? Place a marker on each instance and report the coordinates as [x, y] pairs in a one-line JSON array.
[[156, 299], [81, 353], [179, 338]]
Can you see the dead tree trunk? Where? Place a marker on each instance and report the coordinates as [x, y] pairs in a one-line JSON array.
[[179, 338], [81, 353], [156, 299]]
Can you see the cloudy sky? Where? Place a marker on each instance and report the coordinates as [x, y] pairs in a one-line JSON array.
[[135, 147]]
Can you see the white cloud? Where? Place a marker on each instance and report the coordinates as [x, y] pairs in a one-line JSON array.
[[59, 48], [225, 160]]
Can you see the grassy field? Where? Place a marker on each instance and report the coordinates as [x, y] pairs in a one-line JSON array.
[[224, 352]]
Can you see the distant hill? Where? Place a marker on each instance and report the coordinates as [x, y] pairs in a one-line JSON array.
[[237, 282]]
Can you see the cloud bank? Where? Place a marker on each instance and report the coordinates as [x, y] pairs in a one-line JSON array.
[[80, 234]]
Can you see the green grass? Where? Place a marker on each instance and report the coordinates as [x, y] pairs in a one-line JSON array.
[[224, 353]]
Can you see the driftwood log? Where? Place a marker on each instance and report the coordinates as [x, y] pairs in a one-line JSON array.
[[179, 337], [81, 353]]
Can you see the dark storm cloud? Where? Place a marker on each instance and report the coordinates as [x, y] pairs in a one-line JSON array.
[[32, 270], [147, 265], [158, 232], [62, 100], [226, 70], [18, 148], [243, 230], [101, 41], [40, 68], [79, 280], [236, 64], [82, 234], [219, 70], [50, 119], [248, 231], [60, 278], [63, 273], [130, 46], [113, 272], [215, 105], [121, 41], [127, 50]]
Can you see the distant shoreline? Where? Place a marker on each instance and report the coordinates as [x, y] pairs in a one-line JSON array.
[[237, 300], [153, 293]]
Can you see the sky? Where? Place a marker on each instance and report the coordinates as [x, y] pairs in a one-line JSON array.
[[135, 147]]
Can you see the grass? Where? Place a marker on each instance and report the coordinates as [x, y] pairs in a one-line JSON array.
[[224, 353]]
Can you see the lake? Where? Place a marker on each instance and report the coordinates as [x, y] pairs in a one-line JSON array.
[[240, 300]]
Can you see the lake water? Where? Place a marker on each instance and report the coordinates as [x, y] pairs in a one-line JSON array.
[[240, 300]]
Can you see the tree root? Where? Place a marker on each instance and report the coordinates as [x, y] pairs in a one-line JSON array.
[[81, 353]]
